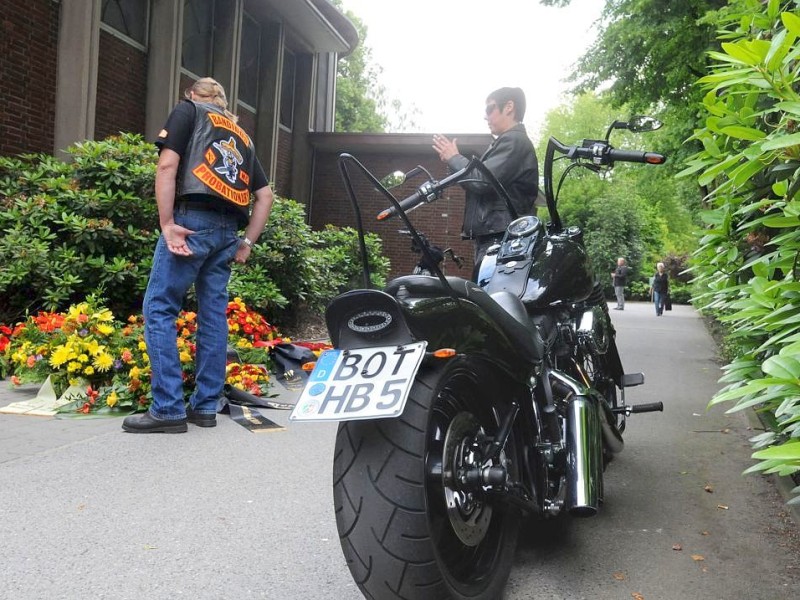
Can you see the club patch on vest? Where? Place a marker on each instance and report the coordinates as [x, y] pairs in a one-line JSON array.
[[231, 159]]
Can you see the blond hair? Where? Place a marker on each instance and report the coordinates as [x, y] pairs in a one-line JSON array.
[[209, 90]]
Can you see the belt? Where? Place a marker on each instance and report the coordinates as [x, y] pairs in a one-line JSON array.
[[207, 205]]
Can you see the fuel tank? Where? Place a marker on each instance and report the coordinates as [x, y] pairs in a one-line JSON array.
[[543, 270], [560, 273]]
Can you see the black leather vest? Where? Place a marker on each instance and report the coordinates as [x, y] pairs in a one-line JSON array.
[[219, 159]]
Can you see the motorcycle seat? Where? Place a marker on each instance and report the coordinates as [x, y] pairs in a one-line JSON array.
[[504, 308]]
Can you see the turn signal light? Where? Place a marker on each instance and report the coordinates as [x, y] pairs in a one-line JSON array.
[[383, 215], [444, 353], [309, 366]]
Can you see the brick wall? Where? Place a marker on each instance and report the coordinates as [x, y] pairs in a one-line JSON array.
[[283, 171], [121, 87], [440, 221], [28, 51]]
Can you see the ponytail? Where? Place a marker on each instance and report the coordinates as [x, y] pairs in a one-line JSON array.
[[208, 90]]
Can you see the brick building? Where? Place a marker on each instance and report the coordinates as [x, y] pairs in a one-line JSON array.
[[72, 70]]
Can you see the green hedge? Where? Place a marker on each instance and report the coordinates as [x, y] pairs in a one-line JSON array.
[[89, 226], [747, 263]]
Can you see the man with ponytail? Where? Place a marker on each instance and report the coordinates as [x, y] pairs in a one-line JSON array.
[[207, 171]]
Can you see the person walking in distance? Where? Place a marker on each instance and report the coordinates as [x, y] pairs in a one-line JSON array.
[[660, 288], [512, 160], [207, 170], [619, 277]]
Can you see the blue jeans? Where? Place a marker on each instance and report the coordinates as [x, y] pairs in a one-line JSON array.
[[214, 245], [659, 298]]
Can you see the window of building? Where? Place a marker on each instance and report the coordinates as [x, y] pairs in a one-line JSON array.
[[198, 36], [249, 60], [287, 90], [128, 17]]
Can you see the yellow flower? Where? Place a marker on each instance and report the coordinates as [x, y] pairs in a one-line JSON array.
[[89, 370], [104, 315], [142, 346], [92, 347], [73, 366], [134, 373], [83, 358], [112, 399], [76, 310], [60, 355], [185, 356], [105, 329], [103, 361]]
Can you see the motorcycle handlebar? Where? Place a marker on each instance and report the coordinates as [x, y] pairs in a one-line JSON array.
[[406, 205], [427, 192], [605, 154]]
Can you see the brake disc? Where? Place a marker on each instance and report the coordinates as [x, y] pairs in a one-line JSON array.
[[467, 510]]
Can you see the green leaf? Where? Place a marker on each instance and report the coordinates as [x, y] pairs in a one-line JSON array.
[[744, 133], [792, 22], [787, 451], [781, 141], [741, 53], [783, 367], [781, 221]]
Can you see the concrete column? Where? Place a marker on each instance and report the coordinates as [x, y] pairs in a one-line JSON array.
[[76, 78], [163, 63]]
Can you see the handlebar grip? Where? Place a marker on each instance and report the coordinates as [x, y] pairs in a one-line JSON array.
[[406, 204], [636, 156]]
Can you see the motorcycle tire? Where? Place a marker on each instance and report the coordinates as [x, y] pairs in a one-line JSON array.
[[404, 531]]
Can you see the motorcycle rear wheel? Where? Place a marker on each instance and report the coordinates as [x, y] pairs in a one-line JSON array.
[[405, 531]]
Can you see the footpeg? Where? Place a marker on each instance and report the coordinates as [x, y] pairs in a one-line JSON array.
[[639, 408], [632, 379], [651, 407]]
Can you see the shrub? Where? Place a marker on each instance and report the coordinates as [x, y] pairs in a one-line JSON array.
[[71, 229], [90, 227]]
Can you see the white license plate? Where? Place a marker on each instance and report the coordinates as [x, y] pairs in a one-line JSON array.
[[365, 383]]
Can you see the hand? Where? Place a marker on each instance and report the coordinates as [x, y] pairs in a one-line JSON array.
[[242, 253], [175, 237], [446, 148]]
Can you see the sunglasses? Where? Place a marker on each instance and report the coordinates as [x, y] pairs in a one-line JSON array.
[[490, 108]]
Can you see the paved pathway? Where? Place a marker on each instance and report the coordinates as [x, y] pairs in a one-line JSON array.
[[91, 512]]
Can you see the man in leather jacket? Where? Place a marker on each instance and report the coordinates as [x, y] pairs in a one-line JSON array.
[[512, 160]]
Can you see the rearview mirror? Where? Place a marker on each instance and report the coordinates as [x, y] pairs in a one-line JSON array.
[[393, 179], [643, 123]]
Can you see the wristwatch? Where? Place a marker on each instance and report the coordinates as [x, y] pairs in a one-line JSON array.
[[247, 241]]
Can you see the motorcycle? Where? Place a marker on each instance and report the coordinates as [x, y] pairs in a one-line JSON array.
[[426, 266], [467, 407]]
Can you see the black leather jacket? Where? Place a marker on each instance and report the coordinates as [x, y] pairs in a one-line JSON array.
[[512, 160]]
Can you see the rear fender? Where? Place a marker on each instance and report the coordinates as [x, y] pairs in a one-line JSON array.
[[366, 319]]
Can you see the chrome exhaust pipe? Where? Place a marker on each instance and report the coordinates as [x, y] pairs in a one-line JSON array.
[[584, 459]]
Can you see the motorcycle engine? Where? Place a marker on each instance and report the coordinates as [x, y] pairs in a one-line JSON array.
[[592, 330]]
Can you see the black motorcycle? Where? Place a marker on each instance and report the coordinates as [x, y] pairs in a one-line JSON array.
[[433, 257], [466, 408]]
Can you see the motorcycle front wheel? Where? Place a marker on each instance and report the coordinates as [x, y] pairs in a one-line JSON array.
[[408, 529]]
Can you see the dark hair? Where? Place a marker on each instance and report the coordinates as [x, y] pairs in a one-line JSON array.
[[515, 94]]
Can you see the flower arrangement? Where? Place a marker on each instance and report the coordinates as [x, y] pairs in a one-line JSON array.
[[87, 346]]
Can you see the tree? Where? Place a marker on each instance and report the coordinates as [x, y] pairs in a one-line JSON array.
[[648, 54], [360, 98], [361, 101], [636, 210]]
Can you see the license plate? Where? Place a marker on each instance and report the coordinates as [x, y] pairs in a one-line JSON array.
[[366, 383]]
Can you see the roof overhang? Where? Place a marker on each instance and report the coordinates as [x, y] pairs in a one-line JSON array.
[[394, 143], [319, 23]]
